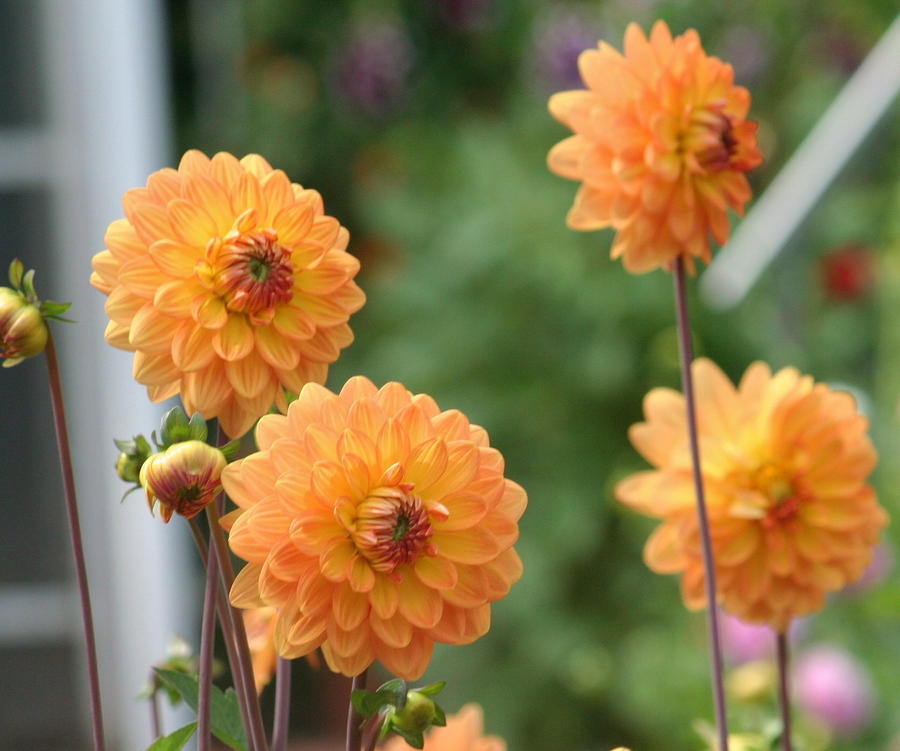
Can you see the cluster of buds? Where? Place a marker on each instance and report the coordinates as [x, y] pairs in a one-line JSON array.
[[23, 317], [183, 475], [394, 707]]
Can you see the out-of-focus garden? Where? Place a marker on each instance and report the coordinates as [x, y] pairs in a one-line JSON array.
[[424, 125]]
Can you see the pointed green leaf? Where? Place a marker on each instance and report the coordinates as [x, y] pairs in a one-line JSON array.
[[416, 740], [174, 427], [123, 445], [174, 741], [50, 309], [433, 690], [28, 285], [439, 719], [197, 427], [230, 449], [225, 714]]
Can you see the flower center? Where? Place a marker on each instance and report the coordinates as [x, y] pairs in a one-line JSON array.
[[769, 495], [392, 527], [711, 140], [253, 272]]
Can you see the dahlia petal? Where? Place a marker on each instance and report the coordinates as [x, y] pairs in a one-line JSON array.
[[152, 331], [384, 597], [355, 442], [435, 572], [567, 157], [141, 276], [293, 323], [106, 272], [154, 369], [117, 335], [234, 341], [161, 392], [293, 223], [473, 546], [426, 464], [462, 466], [358, 388], [346, 643], [334, 560], [225, 169], [270, 429], [204, 191], [245, 589], [274, 591], [411, 661], [471, 587], [205, 390], [364, 414], [513, 502], [314, 595], [321, 442], [276, 350], [256, 165], [718, 402], [418, 426], [349, 665], [466, 510], [350, 608], [176, 298], [244, 542], [292, 488], [249, 376], [664, 551], [210, 312], [740, 547], [451, 629], [392, 445], [478, 623], [396, 632], [693, 588], [191, 223], [121, 305], [357, 475], [360, 575], [419, 604], [329, 274], [277, 191], [572, 108], [287, 563], [150, 221], [306, 629], [122, 241], [501, 573], [323, 311], [246, 194], [329, 482], [452, 425], [192, 347], [194, 161]]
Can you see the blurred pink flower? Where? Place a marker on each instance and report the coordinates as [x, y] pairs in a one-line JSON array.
[[835, 687], [879, 568], [743, 642]]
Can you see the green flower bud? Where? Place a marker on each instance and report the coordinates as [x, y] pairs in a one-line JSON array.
[[416, 715], [131, 459]]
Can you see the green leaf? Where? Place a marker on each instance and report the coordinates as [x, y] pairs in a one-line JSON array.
[[433, 690], [50, 309], [174, 427], [174, 741], [439, 719], [230, 449], [28, 286], [225, 714], [416, 740], [16, 270], [197, 427]]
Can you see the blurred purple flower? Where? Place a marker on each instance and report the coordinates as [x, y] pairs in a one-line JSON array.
[[748, 51], [880, 566], [743, 642], [559, 36], [833, 686], [467, 15], [372, 67]]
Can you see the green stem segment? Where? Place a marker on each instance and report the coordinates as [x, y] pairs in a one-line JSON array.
[[687, 357], [354, 719], [784, 698], [65, 461]]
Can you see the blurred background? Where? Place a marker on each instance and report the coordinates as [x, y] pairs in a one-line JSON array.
[[423, 123]]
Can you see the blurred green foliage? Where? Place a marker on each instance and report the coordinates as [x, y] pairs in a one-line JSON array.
[[424, 126]]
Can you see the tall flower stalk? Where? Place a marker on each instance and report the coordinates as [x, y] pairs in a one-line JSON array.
[[686, 351], [784, 697], [354, 718], [281, 721], [65, 461]]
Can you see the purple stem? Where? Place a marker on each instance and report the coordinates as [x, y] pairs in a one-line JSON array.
[[155, 721], [784, 698], [715, 645], [282, 705], [354, 719], [207, 641], [65, 462]]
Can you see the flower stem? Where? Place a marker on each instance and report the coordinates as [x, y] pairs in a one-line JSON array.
[[65, 461], [219, 548], [282, 705], [354, 719], [155, 721], [225, 623], [207, 641], [784, 699], [687, 357]]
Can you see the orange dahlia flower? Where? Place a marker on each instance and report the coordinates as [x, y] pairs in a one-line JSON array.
[[228, 282], [661, 144], [377, 525], [260, 626], [784, 464], [464, 731]]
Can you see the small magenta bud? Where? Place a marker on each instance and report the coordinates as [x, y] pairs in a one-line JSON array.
[[184, 478], [23, 332]]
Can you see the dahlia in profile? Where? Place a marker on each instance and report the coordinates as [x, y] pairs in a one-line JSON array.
[[661, 146], [228, 282], [464, 731], [185, 478], [376, 524], [784, 464]]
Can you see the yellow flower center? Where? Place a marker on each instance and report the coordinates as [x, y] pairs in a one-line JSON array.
[[253, 273], [710, 140], [769, 494], [392, 527]]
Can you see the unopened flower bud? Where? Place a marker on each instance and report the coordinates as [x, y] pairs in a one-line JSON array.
[[23, 332], [416, 715], [184, 478]]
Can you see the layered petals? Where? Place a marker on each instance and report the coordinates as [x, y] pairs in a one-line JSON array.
[[785, 464], [230, 284], [375, 524], [661, 146]]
